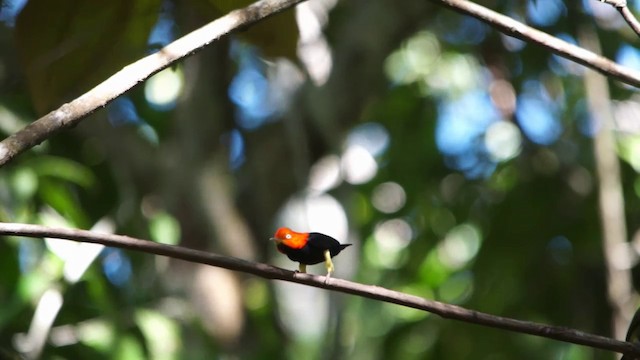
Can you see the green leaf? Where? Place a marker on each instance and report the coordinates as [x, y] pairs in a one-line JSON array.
[[60, 198], [63, 169], [164, 229], [162, 334], [68, 47]]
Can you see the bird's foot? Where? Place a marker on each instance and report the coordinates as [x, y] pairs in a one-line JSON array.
[[302, 269], [326, 278]]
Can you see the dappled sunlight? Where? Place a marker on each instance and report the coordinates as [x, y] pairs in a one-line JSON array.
[[325, 174], [391, 239], [629, 149], [388, 197], [537, 115], [44, 316], [625, 115], [164, 88], [460, 246], [358, 165], [163, 333], [371, 136], [415, 60], [303, 310], [503, 141], [313, 48]]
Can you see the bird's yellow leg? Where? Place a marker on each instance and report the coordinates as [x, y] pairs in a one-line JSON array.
[[302, 268], [328, 263]]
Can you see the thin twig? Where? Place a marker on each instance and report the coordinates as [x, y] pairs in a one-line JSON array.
[[70, 114], [372, 292], [630, 18], [627, 15], [521, 31], [615, 3]]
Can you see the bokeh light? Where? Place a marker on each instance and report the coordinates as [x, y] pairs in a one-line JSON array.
[[545, 13], [460, 246], [503, 141], [538, 115], [325, 174], [358, 165], [388, 197], [163, 89]]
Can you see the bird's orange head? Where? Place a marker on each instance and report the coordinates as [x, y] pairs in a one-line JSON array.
[[290, 238]]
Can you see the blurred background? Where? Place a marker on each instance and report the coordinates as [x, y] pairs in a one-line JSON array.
[[465, 166]]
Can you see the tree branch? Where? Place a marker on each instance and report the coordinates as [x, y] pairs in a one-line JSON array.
[[521, 31], [70, 114], [627, 15], [372, 292]]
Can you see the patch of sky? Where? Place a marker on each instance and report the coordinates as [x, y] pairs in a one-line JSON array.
[[249, 89], [545, 12], [538, 115], [116, 266], [460, 129], [467, 31], [628, 56], [163, 31], [9, 11], [235, 142]]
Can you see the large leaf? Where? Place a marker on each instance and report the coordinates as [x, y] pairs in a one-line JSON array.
[[66, 47]]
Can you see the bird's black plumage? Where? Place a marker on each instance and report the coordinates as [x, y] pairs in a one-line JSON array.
[[313, 251]]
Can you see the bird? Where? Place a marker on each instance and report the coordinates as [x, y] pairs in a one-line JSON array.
[[308, 248]]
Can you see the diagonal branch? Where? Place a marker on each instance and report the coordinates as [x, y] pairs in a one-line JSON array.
[[524, 32], [70, 114], [372, 292]]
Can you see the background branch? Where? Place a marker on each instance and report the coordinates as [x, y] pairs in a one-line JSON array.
[[629, 18], [72, 113], [372, 292], [610, 192], [627, 15], [521, 31]]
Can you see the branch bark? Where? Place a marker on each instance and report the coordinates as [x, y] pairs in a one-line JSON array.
[[70, 114], [368, 291]]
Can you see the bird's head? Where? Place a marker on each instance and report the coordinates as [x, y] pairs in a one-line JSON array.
[[290, 238]]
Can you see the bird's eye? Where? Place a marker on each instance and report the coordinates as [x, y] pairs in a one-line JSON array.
[[288, 236]]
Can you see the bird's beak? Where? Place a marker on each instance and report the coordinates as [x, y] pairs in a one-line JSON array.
[[277, 241]]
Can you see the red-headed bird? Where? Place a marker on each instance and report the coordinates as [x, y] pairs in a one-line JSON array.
[[308, 248]]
